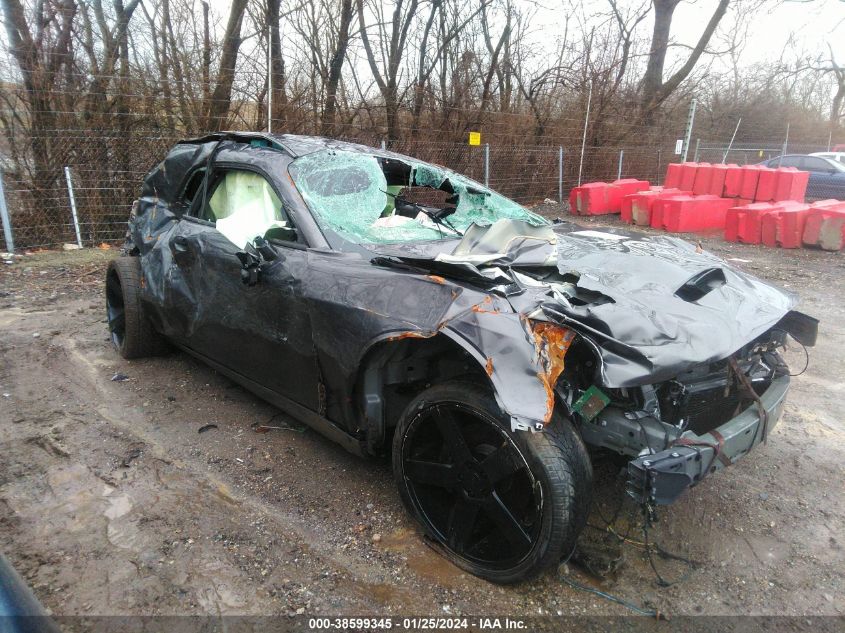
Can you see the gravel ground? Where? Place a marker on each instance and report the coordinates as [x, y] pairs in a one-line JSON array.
[[113, 503]]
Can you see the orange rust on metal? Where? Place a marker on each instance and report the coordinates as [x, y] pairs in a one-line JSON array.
[[489, 366], [437, 279], [477, 307], [551, 342], [410, 334]]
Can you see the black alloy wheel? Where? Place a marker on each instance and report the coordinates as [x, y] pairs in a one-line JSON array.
[[490, 497]]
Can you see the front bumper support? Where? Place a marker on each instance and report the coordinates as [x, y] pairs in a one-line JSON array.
[[660, 478]]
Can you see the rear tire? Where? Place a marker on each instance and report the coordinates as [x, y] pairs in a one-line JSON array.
[[502, 505], [131, 331]]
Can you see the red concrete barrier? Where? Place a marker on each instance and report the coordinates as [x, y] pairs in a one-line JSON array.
[[697, 214], [717, 180], [766, 180], [673, 175], [659, 205], [703, 178], [784, 228], [791, 184], [825, 204], [832, 233], [636, 207], [626, 207], [688, 171], [599, 198], [733, 182], [631, 185], [748, 185], [743, 224], [824, 226], [595, 198]]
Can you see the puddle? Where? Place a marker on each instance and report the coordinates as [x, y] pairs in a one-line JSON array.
[[422, 559]]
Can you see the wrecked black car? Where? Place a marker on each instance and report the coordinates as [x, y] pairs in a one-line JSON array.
[[394, 305]]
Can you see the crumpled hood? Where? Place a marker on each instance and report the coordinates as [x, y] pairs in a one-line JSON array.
[[667, 307], [654, 305]]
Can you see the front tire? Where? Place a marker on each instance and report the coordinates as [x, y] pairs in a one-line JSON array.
[[130, 330], [502, 505]]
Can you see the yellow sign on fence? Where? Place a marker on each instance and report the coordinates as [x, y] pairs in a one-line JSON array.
[[475, 138]]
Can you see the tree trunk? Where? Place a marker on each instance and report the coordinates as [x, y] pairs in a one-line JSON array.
[[277, 65], [654, 91], [221, 98], [327, 122]]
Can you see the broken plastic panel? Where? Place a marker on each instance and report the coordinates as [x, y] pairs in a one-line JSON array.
[[350, 194], [590, 404]]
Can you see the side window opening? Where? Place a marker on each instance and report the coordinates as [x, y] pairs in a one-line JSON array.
[[193, 188], [244, 206], [816, 164]]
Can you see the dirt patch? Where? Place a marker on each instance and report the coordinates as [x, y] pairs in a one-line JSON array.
[[112, 502]]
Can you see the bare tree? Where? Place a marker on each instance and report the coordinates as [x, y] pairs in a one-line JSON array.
[[392, 42], [41, 55], [654, 89], [216, 108]]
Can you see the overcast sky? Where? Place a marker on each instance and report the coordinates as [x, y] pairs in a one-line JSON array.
[[815, 24]]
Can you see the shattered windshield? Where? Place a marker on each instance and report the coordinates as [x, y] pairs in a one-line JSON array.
[[375, 200]]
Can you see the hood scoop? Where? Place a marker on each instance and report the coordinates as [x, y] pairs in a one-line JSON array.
[[700, 284]]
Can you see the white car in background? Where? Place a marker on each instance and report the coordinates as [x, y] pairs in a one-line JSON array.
[[837, 156]]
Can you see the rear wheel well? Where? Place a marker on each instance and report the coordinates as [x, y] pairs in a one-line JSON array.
[[394, 372]]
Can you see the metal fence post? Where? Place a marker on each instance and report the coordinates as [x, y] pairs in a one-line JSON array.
[[659, 175], [619, 170], [487, 164], [4, 215], [584, 137], [383, 145], [73, 206], [697, 145], [560, 174]]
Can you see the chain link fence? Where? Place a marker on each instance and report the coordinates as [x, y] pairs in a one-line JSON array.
[[104, 169], [826, 180]]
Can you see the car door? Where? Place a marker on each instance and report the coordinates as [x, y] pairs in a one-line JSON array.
[[262, 332], [825, 181]]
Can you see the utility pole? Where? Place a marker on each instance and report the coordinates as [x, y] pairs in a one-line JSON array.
[[688, 133]]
